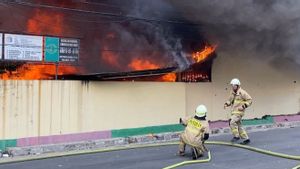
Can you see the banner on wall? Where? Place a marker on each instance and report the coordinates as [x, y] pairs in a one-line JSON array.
[[23, 47]]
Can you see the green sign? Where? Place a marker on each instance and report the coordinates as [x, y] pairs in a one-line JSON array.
[[51, 49]]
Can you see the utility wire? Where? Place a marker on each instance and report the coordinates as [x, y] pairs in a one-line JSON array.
[[101, 13]]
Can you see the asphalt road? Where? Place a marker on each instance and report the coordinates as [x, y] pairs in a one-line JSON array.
[[223, 157]]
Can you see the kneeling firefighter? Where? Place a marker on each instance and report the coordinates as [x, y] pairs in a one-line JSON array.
[[195, 133]]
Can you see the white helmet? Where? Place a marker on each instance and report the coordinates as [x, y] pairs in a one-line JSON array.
[[201, 111], [235, 81]]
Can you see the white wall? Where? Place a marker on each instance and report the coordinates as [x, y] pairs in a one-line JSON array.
[[37, 108]]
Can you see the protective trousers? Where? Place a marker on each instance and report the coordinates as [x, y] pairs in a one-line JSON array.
[[182, 144], [236, 127]]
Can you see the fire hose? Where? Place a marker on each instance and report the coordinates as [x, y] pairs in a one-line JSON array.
[[254, 149], [258, 150]]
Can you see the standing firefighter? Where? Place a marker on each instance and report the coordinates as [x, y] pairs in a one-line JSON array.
[[195, 133], [239, 100]]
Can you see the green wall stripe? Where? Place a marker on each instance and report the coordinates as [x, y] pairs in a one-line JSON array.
[[177, 127], [146, 130], [264, 120], [7, 143]]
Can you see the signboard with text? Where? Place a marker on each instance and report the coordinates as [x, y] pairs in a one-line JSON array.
[[23, 47], [68, 50]]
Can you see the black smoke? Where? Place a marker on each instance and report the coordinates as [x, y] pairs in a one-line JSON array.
[[268, 30]]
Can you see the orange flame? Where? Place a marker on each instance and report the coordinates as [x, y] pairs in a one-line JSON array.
[[140, 64], [34, 72], [202, 55], [170, 77], [44, 22]]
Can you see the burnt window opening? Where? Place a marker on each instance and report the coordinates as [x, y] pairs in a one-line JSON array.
[[199, 72]]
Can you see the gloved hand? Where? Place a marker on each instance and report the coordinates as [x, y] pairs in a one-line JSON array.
[[225, 105], [206, 136], [241, 108], [181, 122], [245, 106]]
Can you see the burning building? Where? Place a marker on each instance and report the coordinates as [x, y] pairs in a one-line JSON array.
[[260, 48], [118, 40]]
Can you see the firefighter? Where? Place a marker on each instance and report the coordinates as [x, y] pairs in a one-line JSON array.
[[239, 100], [195, 133]]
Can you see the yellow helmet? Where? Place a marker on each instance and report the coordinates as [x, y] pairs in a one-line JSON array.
[[201, 111]]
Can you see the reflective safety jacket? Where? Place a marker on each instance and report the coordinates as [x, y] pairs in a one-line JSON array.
[[239, 100], [194, 131]]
